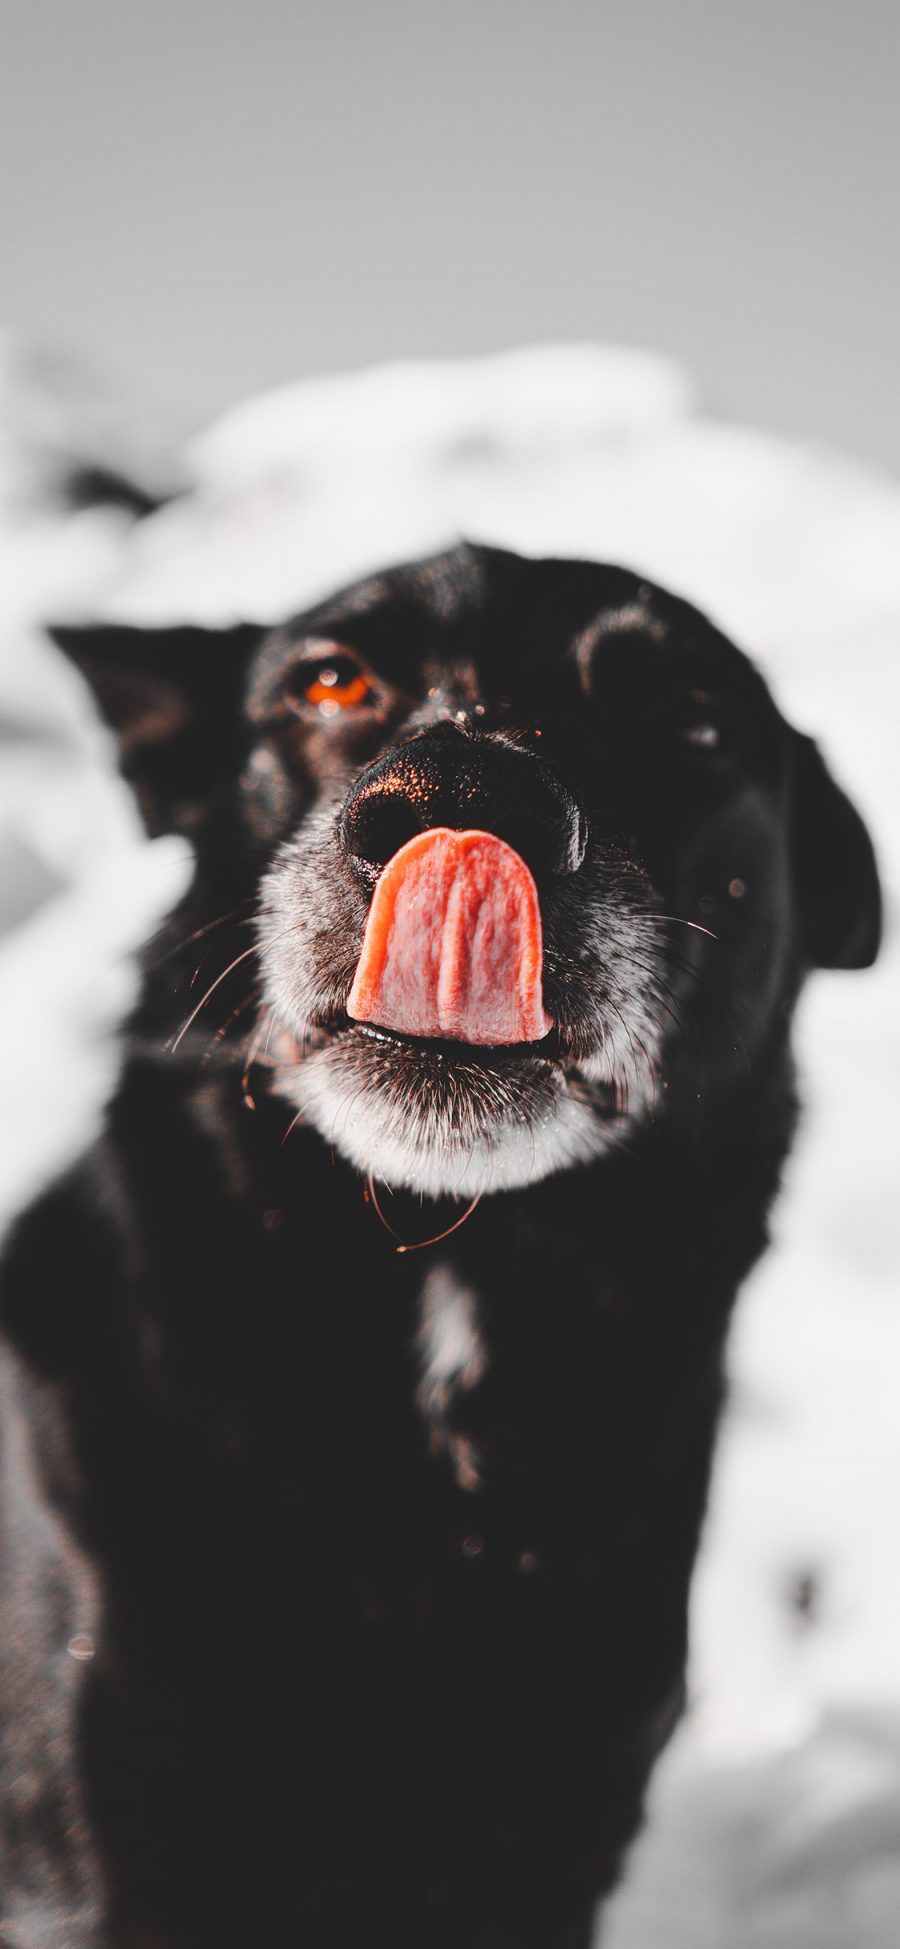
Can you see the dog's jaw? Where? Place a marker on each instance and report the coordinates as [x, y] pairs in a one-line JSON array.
[[448, 1125]]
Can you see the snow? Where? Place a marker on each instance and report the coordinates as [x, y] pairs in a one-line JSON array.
[[776, 1813]]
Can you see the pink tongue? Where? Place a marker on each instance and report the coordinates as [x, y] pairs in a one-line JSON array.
[[452, 945]]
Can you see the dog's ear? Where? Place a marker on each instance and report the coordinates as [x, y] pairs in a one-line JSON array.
[[834, 864], [173, 698]]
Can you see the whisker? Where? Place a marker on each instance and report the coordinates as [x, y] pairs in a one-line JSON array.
[[171, 1047], [661, 994], [419, 1244], [223, 1031], [680, 921], [672, 960], [251, 1055], [291, 1126], [199, 933]]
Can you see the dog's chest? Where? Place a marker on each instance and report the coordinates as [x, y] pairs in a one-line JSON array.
[[337, 1433], [481, 1454], [455, 1356]]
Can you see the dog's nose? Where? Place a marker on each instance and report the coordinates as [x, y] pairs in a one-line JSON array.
[[450, 778]]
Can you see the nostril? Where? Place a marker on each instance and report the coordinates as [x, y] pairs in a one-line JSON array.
[[377, 822]]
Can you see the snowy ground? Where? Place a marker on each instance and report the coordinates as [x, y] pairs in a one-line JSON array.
[[776, 1814]]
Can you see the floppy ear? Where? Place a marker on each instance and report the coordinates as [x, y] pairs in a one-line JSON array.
[[836, 876], [173, 698]]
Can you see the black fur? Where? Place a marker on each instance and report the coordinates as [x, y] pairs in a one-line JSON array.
[[380, 1559]]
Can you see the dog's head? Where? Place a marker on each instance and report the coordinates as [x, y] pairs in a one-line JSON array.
[[536, 858]]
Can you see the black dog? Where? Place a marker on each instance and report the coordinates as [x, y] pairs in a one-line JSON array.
[[373, 1564]]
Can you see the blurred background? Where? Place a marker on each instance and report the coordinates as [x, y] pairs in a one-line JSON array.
[[331, 287], [207, 197]]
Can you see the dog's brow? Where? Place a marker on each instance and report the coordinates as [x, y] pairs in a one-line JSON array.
[[456, 675]]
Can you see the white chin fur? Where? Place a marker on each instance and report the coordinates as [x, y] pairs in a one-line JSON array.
[[416, 1148]]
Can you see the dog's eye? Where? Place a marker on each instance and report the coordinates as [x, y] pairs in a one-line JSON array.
[[699, 722], [332, 694], [705, 736], [329, 684]]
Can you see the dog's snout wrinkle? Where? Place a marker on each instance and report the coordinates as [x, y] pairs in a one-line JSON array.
[[465, 782]]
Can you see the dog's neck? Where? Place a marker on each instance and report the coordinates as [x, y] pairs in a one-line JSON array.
[[584, 1230]]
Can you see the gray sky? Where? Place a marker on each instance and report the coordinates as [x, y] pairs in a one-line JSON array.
[[209, 197]]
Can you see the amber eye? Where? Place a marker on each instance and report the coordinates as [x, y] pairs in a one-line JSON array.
[[331, 694], [334, 684]]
